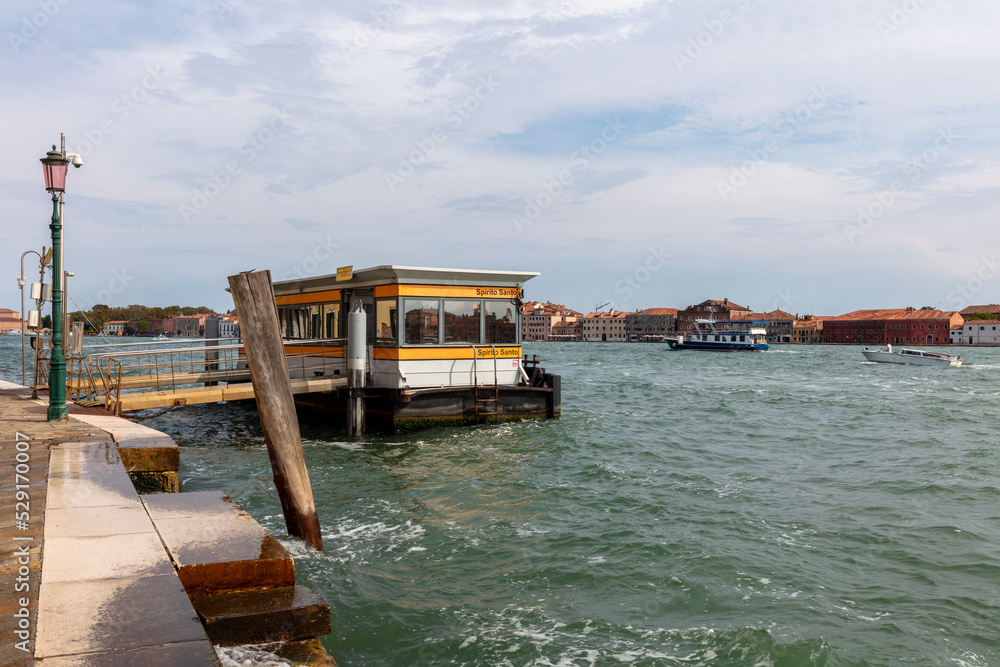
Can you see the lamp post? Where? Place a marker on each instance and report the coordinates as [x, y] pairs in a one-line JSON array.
[[54, 165]]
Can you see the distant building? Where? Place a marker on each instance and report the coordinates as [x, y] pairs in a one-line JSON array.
[[978, 332], [568, 330], [229, 326], [650, 324], [990, 309], [713, 309], [539, 319], [892, 325], [188, 326], [608, 326], [114, 328], [779, 324], [808, 330], [10, 320]]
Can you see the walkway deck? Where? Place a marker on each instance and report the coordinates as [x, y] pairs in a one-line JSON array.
[[82, 556], [195, 395]]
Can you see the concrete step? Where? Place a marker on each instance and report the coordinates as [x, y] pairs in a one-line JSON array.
[[216, 546], [150, 457], [271, 615]]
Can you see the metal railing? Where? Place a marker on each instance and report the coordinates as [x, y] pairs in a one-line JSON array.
[[106, 372]]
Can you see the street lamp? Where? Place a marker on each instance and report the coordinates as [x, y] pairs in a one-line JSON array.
[[54, 165]]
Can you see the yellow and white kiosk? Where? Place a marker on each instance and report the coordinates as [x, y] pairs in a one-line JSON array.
[[442, 346]]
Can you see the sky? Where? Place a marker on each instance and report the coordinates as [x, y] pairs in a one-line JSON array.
[[818, 157]]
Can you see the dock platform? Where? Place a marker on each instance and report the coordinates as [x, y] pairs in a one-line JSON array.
[[94, 572]]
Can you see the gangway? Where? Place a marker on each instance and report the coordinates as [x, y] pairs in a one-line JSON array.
[[125, 377]]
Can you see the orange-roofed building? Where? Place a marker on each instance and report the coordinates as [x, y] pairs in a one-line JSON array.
[[608, 326], [540, 319], [10, 320], [899, 326], [651, 323], [808, 329]]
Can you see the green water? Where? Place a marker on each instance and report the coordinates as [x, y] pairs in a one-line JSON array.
[[793, 507]]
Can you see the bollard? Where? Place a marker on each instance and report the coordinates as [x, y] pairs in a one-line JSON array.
[[357, 348]]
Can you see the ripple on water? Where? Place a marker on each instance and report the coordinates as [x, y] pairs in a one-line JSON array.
[[796, 507]]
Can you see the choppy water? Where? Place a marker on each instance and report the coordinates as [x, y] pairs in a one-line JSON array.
[[793, 507]]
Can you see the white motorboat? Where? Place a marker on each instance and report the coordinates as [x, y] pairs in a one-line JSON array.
[[905, 355]]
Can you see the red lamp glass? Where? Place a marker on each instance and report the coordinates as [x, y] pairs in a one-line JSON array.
[[54, 165]]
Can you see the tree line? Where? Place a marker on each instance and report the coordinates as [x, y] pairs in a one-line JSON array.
[[141, 319]]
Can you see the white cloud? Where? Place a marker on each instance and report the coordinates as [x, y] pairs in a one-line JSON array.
[[378, 88]]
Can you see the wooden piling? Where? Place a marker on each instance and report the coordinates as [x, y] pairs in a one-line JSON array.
[[255, 306]]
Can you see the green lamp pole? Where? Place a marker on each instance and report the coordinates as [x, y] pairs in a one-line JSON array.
[[54, 164]]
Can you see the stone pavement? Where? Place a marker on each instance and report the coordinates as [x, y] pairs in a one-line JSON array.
[[110, 593], [25, 439]]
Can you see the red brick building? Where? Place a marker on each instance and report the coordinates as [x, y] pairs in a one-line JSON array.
[[712, 309], [899, 326]]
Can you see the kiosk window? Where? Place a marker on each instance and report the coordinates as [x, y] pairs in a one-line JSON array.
[[461, 321], [316, 322], [501, 322], [295, 322], [331, 315], [386, 321], [422, 317]]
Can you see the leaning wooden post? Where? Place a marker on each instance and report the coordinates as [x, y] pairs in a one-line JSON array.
[[255, 306]]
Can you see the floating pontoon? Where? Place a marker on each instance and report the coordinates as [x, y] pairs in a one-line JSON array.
[[442, 346]]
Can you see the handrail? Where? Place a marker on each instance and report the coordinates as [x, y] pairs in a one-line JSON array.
[[164, 343], [108, 372]]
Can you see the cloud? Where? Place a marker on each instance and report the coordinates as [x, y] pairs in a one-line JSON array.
[[387, 88]]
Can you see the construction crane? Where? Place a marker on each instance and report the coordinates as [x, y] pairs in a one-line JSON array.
[[597, 309]]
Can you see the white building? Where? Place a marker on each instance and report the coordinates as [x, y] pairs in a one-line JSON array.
[[978, 332], [229, 326], [113, 328]]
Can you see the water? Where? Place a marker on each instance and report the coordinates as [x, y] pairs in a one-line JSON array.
[[793, 507]]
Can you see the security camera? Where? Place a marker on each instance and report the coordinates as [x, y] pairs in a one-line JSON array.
[[77, 160]]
